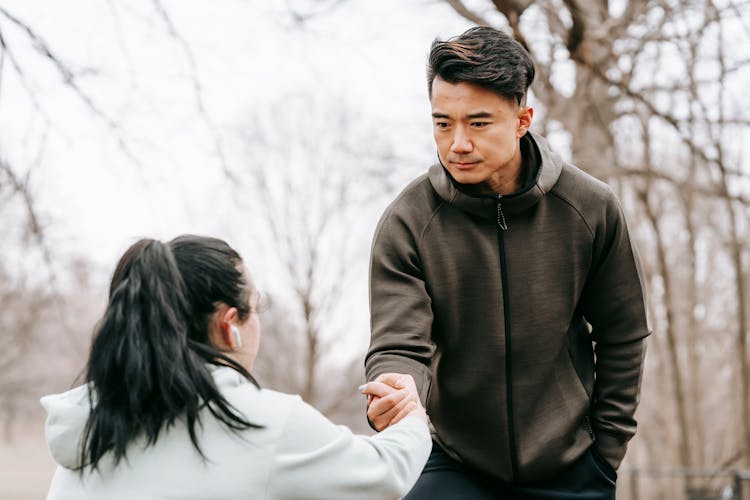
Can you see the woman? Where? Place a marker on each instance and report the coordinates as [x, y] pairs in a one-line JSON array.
[[170, 409]]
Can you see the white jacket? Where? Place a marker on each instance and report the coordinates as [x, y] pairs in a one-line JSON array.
[[297, 454]]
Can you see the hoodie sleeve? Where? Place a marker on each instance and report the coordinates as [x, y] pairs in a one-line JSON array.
[[613, 303], [326, 461], [400, 307]]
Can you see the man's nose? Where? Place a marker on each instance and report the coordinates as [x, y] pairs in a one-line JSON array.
[[461, 142]]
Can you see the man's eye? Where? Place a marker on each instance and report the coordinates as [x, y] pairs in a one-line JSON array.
[[480, 124], [441, 124]]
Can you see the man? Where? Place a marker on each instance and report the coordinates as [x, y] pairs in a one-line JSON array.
[[493, 276]]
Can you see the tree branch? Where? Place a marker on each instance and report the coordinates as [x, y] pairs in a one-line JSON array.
[[69, 79], [37, 233], [24, 83], [300, 18], [682, 185], [197, 89], [575, 41], [462, 10], [512, 10]]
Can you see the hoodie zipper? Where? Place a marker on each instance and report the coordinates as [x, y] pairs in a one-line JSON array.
[[502, 227], [502, 224]]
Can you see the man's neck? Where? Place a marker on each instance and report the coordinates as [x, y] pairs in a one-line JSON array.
[[506, 180]]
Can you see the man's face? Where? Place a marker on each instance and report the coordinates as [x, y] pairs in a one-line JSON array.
[[477, 133]]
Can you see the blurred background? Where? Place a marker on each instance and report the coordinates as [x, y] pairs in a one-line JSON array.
[[286, 127]]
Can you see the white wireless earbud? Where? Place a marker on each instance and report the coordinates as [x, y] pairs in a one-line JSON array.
[[237, 337]]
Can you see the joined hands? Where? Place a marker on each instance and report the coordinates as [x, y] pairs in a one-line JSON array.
[[390, 398]]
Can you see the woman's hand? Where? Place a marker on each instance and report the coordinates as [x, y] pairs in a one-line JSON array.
[[390, 398]]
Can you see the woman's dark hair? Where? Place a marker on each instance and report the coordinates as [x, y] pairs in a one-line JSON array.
[[485, 57], [148, 361]]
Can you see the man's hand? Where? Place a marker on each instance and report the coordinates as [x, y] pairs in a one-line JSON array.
[[391, 397]]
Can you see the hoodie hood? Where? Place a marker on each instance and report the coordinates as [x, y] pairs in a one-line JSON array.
[[66, 418], [548, 172], [68, 412]]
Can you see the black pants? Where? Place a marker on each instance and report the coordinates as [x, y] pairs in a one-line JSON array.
[[589, 478]]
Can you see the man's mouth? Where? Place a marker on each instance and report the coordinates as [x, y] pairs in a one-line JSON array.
[[464, 164]]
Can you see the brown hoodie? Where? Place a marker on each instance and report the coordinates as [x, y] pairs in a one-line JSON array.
[[495, 303]]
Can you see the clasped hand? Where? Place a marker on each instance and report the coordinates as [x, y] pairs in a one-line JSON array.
[[390, 398]]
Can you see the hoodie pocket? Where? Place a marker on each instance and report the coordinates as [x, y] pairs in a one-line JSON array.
[[581, 355], [601, 464]]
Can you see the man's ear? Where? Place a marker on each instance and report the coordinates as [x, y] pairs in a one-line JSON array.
[[525, 115]]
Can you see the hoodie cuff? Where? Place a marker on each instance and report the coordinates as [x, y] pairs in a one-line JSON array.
[[612, 448], [372, 426]]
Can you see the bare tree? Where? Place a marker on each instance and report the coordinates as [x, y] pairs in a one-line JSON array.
[[38, 352], [315, 169], [319, 237], [38, 294]]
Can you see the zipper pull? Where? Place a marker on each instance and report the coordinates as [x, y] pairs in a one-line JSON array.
[[500, 215]]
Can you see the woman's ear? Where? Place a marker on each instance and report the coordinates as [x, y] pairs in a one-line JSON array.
[[228, 320], [228, 316], [222, 335]]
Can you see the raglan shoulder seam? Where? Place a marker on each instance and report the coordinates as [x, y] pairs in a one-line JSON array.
[[572, 205]]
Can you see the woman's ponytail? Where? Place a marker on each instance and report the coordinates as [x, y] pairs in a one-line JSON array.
[[143, 370]]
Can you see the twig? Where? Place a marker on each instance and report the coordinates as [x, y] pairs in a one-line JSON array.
[[69, 79], [197, 88]]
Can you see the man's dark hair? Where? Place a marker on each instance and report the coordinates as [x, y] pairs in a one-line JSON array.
[[485, 57]]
